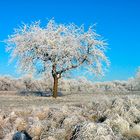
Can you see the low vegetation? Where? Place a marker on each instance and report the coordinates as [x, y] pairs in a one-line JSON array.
[[27, 83], [83, 110], [67, 118]]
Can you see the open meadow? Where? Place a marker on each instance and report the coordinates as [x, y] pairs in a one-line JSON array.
[[74, 116]]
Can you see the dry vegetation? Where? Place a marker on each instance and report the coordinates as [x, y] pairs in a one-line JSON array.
[[74, 116], [81, 115]]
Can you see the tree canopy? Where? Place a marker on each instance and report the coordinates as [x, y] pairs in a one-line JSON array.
[[57, 48]]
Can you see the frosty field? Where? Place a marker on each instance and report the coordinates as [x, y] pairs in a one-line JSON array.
[[74, 116], [69, 70]]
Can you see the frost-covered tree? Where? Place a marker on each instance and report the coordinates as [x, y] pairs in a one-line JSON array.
[[136, 80], [57, 49], [138, 75]]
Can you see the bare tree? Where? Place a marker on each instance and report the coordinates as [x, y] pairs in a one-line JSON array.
[[57, 49]]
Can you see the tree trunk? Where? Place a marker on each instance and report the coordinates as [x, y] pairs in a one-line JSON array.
[[55, 86]]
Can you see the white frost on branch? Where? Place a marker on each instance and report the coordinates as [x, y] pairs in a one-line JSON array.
[[66, 47]]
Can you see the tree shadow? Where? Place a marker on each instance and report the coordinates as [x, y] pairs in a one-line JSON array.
[[38, 93]]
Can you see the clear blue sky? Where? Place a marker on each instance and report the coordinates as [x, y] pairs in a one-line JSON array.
[[118, 21]]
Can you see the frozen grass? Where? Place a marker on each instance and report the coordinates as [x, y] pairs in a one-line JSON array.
[[71, 116]]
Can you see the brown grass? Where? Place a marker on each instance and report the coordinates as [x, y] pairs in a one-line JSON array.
[[46, 117]]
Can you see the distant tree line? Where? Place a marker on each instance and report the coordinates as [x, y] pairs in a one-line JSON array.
[[28, 83]]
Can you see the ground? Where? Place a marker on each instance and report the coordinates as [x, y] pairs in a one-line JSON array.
[[72, 116], [10, 100], [13, 99]]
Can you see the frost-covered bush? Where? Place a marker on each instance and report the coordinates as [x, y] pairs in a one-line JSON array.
[[25, 83], [134, 83], [112, 118], [79, 85], [76, 85], [113, 87], [94, 131], [7, 83]]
